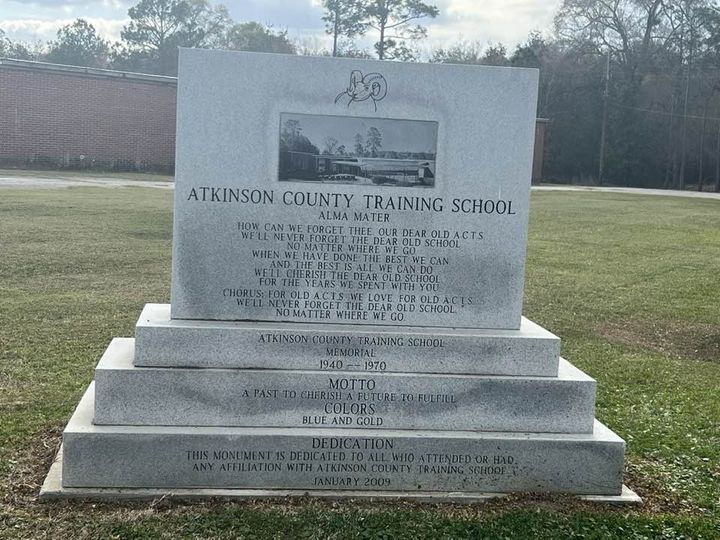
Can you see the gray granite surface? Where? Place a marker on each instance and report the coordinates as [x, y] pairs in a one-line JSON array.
[[363, 248], [132, 395], [338, 459], [164, 342], [53, 490]]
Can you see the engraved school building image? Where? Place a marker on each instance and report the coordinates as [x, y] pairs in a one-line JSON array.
[[361, 170]]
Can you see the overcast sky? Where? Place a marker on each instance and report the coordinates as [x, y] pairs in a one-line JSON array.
[[507, 21]]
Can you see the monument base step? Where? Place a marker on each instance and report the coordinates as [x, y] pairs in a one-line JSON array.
[[150, 396], [53, 490], [342, 460], [164, 342]]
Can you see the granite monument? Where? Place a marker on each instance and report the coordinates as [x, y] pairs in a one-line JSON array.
[[346, 301]]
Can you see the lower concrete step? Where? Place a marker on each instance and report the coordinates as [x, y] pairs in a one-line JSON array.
[[150, 457]]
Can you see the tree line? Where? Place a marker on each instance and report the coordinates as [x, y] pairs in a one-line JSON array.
[[631, 87], [149, 42]]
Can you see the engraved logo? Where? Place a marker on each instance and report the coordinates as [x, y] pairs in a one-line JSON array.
[[372, 86]]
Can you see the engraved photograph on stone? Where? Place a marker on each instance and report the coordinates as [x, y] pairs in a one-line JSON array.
[[357, 151]]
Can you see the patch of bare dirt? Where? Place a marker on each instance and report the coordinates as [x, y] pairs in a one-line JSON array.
[[654, 490], [695, 341], [29, 468]]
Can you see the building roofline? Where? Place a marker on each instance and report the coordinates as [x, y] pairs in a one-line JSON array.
[[80, 71]]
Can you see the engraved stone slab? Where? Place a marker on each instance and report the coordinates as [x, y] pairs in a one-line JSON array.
[[164, 342], [132, 395], [343, 459], [53, 490], [351, 191]]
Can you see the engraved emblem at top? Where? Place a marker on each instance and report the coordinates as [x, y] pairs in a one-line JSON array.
[[372, 86]]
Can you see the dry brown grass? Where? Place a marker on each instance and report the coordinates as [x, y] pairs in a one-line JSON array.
[[675, 339]]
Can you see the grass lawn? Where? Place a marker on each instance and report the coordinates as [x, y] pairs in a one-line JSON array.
[[631, 283]]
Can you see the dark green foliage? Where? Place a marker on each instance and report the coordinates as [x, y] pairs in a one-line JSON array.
[[255, 37], [343, 19], [158, 27], [393, 20], [461, 53], [78, 44], [14, 49], [663, 100], [653, 66]]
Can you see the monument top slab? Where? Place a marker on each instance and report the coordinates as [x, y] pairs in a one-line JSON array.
[[351, 191]]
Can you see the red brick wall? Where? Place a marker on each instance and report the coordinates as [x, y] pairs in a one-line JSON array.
[[50, 119]]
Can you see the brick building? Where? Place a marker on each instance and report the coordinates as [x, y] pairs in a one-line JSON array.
[[54, 116]]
